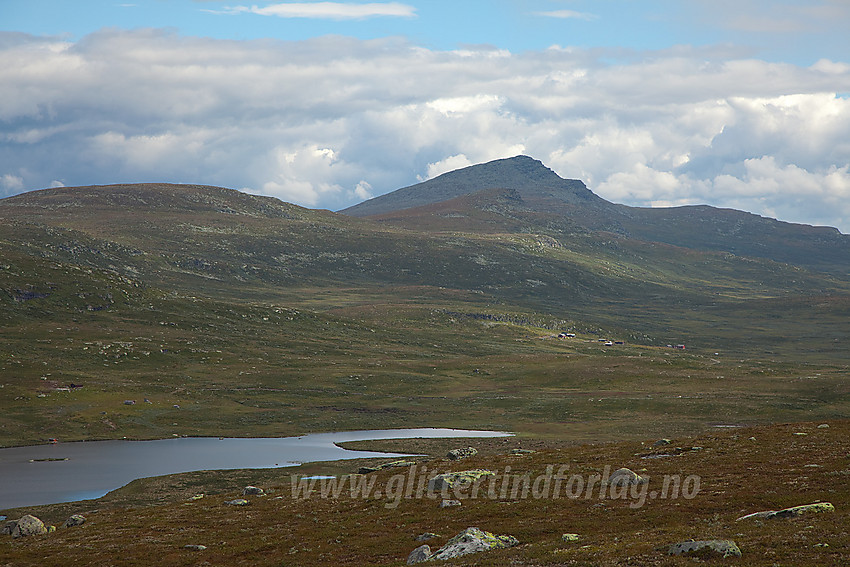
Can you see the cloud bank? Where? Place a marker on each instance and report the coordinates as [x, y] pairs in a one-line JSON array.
[[328, 10], [330, 121]]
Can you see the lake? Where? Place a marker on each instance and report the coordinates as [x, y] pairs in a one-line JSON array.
[[66, 472]]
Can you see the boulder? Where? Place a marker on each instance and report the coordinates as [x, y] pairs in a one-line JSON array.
[[473, 540], [74, 520], [253, 491], [420, 554], [522, 451], [447, 481], [195, 547], [625, 477], [458, 454], [27, 526], [706, 549], [237, 502], [794, 512], [661, 443], [8, 527], [450, 503], [426, 536], [392, 465], [570, 537], [823, 426]]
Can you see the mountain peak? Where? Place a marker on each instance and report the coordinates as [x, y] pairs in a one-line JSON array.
[[526, 175]]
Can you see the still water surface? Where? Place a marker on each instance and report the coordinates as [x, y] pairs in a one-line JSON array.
[[65, 472]]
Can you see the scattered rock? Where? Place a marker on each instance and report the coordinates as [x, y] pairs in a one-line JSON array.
[[195, 497], [447, 481], [237, 502], [458, 454], [823, 426], [426, 536], [27, 526], [473, 540], [195, 547], [706, 549], [129, 402], [74, 520], [570, 537], [661, 443], [625, 477], [795, 512], [253, 491], [450, 503], [420, 554]]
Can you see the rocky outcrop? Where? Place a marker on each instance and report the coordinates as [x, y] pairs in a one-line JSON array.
[[796, 511], [706, 549], [458, 454], [473, 540], [447, 481]]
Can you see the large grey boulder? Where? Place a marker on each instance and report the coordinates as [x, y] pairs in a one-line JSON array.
[[794, 512], [473, 540], [253, 491], [706, 549], [458, 454], [27, 526], [625, 477], [420, 554]]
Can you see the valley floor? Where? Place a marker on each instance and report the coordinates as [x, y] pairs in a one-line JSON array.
[[723, 475]]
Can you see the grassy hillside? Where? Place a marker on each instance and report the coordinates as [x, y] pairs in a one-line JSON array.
[[258, 317]]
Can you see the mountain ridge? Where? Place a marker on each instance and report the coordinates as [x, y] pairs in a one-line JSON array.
[[562, 206]]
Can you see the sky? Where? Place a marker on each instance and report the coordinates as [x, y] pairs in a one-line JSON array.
[[741, 104]]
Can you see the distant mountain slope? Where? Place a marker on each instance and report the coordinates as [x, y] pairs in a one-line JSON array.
[[522, 194], [533, 181]]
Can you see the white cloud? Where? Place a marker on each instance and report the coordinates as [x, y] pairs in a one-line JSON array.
[[11, 184], [566, 14], [329, 10], [331, 121]]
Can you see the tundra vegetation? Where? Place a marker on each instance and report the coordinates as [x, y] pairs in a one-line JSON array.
[[224, 314]]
